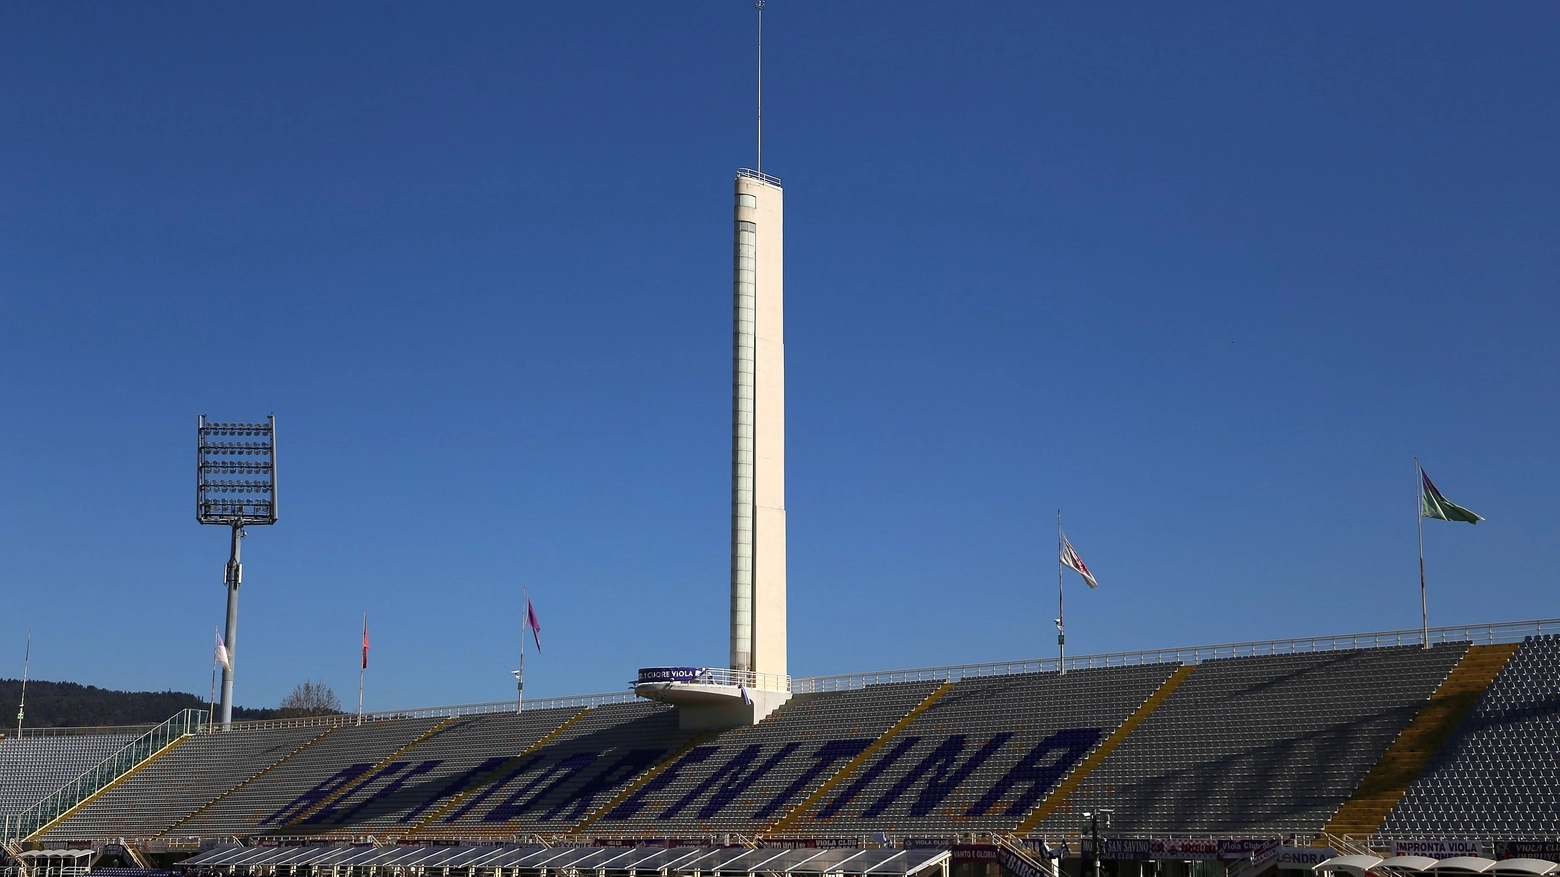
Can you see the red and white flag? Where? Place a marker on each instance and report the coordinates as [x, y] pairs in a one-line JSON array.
[[1072, 561], [365, 640], [534, 623]]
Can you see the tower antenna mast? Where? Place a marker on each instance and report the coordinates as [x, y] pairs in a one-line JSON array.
[[759, 164]]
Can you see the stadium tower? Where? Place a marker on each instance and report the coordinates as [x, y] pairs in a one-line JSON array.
[[755, 682], [758, 431]]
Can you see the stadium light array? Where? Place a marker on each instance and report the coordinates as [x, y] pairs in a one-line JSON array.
[[235, 486]]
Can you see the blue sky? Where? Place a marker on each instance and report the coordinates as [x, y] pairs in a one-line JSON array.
[[1207, 277]]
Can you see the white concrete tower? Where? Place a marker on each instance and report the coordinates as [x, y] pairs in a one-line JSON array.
[[758, 432]]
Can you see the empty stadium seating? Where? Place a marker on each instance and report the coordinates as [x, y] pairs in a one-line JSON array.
[[406, 784], [1498, 775], [178, 782], [1233, 746], [327, 765], [1260, 744], [561, 783], [33, 767], [985, 754], [747, 778]]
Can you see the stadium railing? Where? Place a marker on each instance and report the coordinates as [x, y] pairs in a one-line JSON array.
[[757, 175], [17, 826], [1477, 634], [433, 712], [84, 731]]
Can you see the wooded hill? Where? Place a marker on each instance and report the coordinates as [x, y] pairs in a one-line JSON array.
[[68, 705]]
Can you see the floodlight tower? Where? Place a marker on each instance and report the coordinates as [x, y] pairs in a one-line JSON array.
[[235, 485]]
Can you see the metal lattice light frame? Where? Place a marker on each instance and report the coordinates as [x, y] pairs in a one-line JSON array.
[[236, 473]]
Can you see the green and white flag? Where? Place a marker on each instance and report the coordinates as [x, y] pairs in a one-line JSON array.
[[1433, 505]]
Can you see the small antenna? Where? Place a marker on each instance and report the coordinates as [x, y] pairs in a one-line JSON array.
[[759, 166]]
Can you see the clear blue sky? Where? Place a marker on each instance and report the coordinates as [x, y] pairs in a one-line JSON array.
[[1205, 276]]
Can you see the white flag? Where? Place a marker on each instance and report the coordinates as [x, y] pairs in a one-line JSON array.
[[222, 654], [1072, 561]]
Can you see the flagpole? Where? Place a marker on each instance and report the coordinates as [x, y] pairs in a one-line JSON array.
[[362, 667], [525, 596], [21, 709], [211, 712], [1419, 519], [1061, 608]]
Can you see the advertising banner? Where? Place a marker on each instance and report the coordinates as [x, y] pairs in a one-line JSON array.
[[963, 853], [1246, 848], [1016, 864], [1437, 849], [1301, 858], [1121, 849], [1194, 849], [1529, 849]]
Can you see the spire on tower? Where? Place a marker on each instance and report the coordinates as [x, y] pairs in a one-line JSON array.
[[759, 164]]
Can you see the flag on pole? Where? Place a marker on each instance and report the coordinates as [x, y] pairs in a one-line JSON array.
[[1072, 561], [365, 641], [532, 622], [222, 653], [1433, 505]]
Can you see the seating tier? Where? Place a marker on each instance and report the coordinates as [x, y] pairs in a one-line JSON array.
[[1498, 774], [32, 768], [1267, 744], [179, 782]]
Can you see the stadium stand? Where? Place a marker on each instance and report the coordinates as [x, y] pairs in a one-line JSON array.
[[1252, 740], [536, 860], [746, 778], [1405, 759], [329, 764], [184, 778], [1498, 775], [984, 755], [1269, 744], [403, 790], [33, 767], [562, 782]]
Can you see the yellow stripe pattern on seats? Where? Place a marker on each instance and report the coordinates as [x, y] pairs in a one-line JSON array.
[[498, 771], [101, 792], [1406, 758], [1074, 779], [213, 802], [800, 810], [637, 784], [349, 787]]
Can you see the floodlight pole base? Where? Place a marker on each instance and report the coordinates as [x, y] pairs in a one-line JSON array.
[[233, 576]]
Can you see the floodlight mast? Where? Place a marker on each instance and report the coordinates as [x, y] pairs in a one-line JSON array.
[[225, 450]]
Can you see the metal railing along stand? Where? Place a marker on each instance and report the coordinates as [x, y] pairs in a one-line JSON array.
[[18, 826]]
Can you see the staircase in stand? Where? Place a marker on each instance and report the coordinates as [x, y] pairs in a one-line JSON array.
[[135, 755]]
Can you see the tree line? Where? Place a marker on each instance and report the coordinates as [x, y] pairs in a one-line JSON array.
[[72, 705]]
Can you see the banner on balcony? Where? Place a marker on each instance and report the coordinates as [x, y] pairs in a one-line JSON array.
[[1437, 849], [674, 674]]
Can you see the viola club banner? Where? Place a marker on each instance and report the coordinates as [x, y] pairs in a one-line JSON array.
[[1529, 849]]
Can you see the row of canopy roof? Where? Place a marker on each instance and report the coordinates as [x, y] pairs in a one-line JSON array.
[[1360, 865], [664, 860]]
